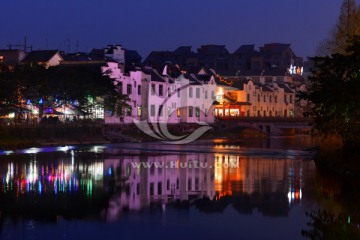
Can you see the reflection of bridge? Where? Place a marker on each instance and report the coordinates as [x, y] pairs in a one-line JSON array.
[[270, 126]]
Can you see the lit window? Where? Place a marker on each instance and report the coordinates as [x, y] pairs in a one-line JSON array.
[[139, 111], [128, 111], [178, 112]]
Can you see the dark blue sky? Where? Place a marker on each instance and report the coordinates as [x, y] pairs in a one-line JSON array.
[[146, 25]]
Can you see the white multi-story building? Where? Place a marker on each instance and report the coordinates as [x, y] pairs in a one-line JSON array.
[[161, 98], [243, 97]]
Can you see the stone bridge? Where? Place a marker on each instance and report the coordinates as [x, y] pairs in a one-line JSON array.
[[269, 126]]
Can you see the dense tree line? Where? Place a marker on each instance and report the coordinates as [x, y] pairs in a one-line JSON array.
[[84, 85]]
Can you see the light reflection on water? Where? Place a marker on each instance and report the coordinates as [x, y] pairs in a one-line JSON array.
[[102, 184]]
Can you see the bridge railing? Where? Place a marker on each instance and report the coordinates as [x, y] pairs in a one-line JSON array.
[[264, 119]]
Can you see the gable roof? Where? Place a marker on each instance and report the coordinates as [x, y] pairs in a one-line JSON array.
[[245, 49], [132, 56], [155, 75], [41, 56]]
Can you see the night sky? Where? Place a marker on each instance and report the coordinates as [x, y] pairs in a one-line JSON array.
[[146, 25]]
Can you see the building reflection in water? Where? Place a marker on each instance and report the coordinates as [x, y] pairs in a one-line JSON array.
[[64, 175], [270, 185], [210, 181]]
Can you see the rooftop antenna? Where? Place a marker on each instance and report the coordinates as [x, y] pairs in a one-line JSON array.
[[24, 46], [68, 46]]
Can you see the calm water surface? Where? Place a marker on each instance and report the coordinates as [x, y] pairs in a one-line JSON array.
[[217, 189]]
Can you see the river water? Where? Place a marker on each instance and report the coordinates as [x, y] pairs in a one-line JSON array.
[[218, 189]]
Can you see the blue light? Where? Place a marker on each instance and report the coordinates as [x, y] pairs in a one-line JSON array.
[[109, 171], [41, 101], [28, 102]]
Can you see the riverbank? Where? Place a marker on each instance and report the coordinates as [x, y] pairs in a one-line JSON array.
[[25, 136], [336, 157]]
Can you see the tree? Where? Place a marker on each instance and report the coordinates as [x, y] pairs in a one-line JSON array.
[[83, 87], [335, 96], [347, 27], [11, 90]]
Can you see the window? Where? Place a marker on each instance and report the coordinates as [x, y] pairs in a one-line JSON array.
[[285, 98], [178, 92], [169, 92], [120, 87], [178, 112], [259, 98], [139, 90], [190, 111], [151, 189], [190, 92], [197, 92], [159, 187], [275, 99], [168, 184], [206, 94], [212, 95], [160, 110], [169, 111], [291, 98], [128, 89], [1, 59], [264, 113], [152, 89], [152, 110], [248, 97], [128, 111], [161, 90], [264, 98], [139, 111], [189, 184], [270, 98], [197, 112]]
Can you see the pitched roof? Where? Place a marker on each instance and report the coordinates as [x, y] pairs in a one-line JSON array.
[[245, 49], [237, 83], [286, 88], [40, 56], [183, 50], [273, 48], [132, 56], [266, 88], [213, 49], [155, 75]]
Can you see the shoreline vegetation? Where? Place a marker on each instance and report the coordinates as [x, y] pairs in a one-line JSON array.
[[331, 156], [13, 137]]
